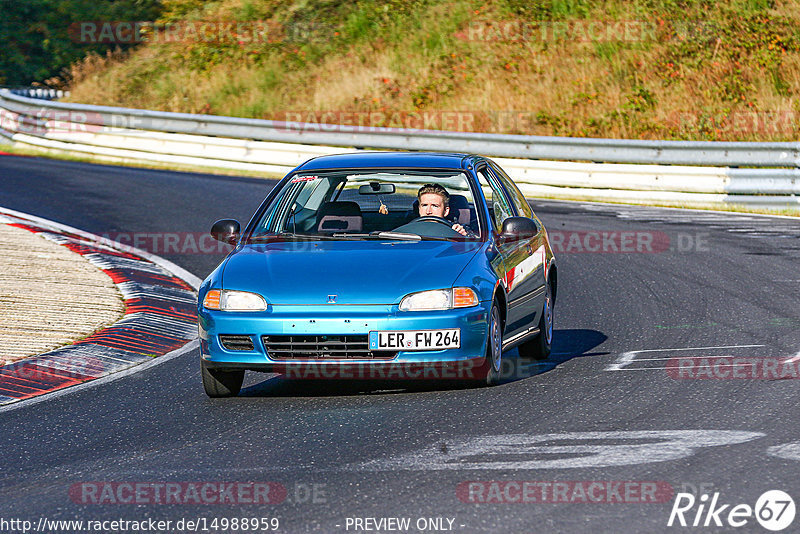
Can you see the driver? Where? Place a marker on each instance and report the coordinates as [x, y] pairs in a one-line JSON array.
[[434, 200]]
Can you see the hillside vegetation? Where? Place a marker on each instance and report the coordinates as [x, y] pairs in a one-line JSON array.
[[669, 69]]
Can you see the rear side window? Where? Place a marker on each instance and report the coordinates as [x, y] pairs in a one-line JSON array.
[[517, 198]]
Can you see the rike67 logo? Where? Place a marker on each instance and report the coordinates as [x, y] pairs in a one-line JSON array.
[[774, 510]]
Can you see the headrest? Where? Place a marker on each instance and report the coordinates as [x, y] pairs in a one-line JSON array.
[[459, 210]]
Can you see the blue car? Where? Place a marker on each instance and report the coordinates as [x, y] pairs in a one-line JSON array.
[[380, 265]]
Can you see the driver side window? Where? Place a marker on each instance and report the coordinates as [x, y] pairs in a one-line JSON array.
[[499, 207]]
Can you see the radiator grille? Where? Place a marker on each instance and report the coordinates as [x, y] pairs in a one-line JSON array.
[[339, 347]]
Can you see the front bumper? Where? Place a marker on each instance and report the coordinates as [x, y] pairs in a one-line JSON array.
[[340, 320]]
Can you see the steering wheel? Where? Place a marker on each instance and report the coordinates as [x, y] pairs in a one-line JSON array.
[[429, 230], [433, 218]]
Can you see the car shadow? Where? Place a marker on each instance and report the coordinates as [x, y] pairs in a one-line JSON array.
[[567, 345]]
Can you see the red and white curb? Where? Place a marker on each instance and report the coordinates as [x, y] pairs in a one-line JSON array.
[[160, 320]]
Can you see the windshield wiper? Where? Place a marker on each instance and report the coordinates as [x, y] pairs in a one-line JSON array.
[[402, 236], [308, 236], [433, 238]]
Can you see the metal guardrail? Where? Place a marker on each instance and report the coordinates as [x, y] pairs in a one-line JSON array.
[[711, 153], [640, 171]]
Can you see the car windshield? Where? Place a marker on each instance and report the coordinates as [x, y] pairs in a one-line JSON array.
[[373, 204]]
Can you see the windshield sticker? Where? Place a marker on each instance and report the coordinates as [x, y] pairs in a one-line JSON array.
[[304, 179]]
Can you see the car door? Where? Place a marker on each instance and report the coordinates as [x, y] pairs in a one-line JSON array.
[[514, 253], [529, 274]]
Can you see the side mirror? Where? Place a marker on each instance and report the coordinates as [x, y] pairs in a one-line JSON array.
[[226, 230], [516, 228]]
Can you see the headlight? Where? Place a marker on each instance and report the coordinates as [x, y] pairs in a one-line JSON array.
[[224, 300], [439, 299]]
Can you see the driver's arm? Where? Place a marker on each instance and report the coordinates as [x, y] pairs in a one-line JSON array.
[[466, 232]]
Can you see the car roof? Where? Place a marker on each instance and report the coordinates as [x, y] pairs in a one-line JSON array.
[[400, 160]]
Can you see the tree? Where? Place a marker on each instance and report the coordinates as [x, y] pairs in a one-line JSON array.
[[38, 43]]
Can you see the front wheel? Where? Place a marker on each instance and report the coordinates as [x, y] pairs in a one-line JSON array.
[[219, 382], [539, 347], [494, 348]]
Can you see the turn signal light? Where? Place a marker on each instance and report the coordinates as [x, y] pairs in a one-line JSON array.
[[211, 302], [464, 297]]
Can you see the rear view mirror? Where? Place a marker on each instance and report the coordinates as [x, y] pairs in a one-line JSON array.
[[226, 230], [376, 188]]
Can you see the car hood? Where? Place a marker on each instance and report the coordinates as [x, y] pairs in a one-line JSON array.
[[357, 272]]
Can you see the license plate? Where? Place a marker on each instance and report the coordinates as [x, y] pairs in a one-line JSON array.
[[415, 339]]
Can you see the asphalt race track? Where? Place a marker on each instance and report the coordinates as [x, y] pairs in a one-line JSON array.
[[639, 403]]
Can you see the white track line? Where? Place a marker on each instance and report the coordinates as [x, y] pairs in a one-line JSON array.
[[794, 358], [622, 360], [680, 357], [640, 369], [627, 358], [716, 365], [700, 348]]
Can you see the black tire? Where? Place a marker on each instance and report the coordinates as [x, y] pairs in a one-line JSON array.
[[219, 382], [494, 348], [539, 347]]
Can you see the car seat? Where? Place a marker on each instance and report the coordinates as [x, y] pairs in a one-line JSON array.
[[342, 216]]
